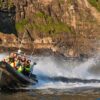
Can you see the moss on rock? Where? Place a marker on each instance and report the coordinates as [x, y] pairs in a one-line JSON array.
[[95, 3]]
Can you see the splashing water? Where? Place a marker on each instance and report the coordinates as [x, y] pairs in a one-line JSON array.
[[52, 71], [51, 67]]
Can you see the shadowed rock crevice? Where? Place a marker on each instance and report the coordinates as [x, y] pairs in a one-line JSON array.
[[7, 17]]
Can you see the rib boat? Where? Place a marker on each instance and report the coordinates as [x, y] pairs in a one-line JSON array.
[[11, 78]]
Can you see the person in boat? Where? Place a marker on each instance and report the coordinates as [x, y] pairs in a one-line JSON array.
[[20, 63], [27, 67], [24, 66], [31, 68], [13, 60], [10, 58], [17, 62]]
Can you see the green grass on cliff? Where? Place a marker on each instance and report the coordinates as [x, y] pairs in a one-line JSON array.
[[53, 28], [9, 3], [0, 3], [46, 24], [40, 15], [21, 24], [43, 24], [95, 3]]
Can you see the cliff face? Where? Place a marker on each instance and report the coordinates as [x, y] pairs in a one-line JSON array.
[[7, 16], [72, 24]]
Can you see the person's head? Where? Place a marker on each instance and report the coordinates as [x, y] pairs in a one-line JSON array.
[[19, 57], [29, 61], [19, 51], [23, 59], [12, 54], [15, 55]]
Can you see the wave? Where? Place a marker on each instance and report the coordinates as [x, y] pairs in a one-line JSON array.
[[70, 80]]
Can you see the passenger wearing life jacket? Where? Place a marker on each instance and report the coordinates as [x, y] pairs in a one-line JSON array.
[[22, 64], [27, 68], [9, 58], [13, 60], [18, 62]]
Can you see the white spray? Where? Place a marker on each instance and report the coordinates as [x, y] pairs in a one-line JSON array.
[[56, 67]]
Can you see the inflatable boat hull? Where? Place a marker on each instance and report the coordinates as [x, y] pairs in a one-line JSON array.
[[11, 78]]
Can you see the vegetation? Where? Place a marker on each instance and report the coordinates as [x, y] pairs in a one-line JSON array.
[[0, 3], [95, 3], [21, 24], [49, 26], [10, 3], [43, 23], [53, 28], [39, 14], [61, 1]]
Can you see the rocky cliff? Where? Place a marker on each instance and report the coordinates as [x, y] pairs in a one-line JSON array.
[[7, 16], [73, 25]]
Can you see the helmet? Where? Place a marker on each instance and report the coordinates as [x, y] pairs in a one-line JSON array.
[[19, 51]]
